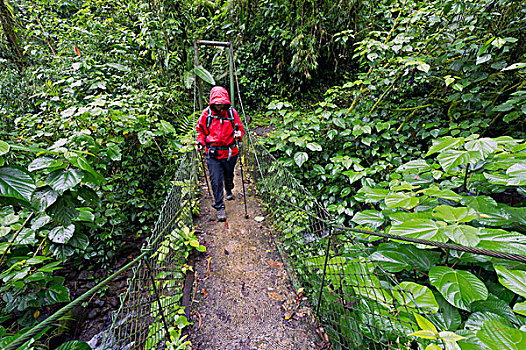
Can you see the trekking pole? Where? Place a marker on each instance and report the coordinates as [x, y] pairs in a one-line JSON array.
[[242, 176], [204, 172]]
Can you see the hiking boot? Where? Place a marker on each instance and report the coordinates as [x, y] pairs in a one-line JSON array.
[[221, 217], [229, 196]]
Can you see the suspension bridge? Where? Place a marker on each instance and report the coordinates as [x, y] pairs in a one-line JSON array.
[[352, 297]]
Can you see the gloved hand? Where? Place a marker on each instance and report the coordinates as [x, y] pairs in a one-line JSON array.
[[237, 134], [199, 147]]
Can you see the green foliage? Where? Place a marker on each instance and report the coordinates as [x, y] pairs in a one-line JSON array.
[[74, 345], [89, 128], [453, 203], [439, 73]]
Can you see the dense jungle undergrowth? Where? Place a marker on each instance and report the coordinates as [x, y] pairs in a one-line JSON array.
[[404, 116]]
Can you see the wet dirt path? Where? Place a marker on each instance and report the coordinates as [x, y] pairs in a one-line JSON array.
[[243, 298]]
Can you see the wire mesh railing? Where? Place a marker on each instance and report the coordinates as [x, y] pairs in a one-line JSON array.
[[151, 303], [360, 305]]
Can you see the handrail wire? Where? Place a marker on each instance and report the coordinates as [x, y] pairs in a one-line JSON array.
[[347, 277]]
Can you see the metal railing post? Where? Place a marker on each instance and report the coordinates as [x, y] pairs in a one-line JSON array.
[[327, 250], [150, 271]]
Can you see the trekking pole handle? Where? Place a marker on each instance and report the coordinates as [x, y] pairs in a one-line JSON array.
[[236, 128]]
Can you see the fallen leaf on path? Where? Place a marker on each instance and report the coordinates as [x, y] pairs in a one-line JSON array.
[[200, 319], [204, 292], [237, 234], [299, 296], [259, 218], [288, 315], [252, 248], [275, 296], [208, 267], [275, 264]]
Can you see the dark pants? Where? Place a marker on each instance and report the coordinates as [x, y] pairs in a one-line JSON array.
[[221, 170]]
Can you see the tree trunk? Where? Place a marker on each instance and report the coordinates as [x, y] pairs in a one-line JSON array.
[[7, 22]]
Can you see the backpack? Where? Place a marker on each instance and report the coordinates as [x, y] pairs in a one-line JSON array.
[[230, 116]]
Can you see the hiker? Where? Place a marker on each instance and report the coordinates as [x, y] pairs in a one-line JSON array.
[[218, 131]]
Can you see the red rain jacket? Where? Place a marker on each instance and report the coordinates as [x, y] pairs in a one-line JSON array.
[[220, 133]]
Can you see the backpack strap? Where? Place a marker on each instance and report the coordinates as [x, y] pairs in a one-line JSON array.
[[209, 119], [210, 116]]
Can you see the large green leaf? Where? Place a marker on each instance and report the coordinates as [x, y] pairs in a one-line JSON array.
[[44, 163], [368, 285], [450, 314], [74, 345], [372, 218], [484, 146], [61, 234], [401, 200], [492, 213], [434, 191], [451, 214], [514, 280], [451, 159], [517, 175], [113, 151], [188, 79], [83, 164], [166, 127], [56, 294], [496, 178], [496, 336], [401, 216], [422, 229], [476, 320], [205, 75], [517, 214], [79, 241], [373, 195], [61, 251], [354, 175], [495, 305], [40, 222], [26, 236], [64, 210], [4, 230], [502, 241], [520, 308], [462, 234], [445, 144], [414, 167], [300, 158], [313, 146], [44, 197], [16, 182], [4, 148], [415, 296], [459, 288], [85, 214], [62, 180], [395, 257]]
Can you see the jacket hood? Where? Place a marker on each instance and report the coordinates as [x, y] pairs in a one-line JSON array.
[[218, 94]]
